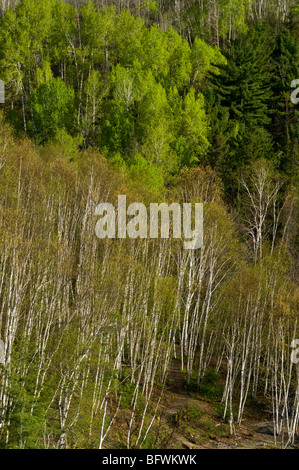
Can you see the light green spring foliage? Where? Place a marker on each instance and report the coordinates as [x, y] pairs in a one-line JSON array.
[[52, 106], [108, 78], [197, 89]]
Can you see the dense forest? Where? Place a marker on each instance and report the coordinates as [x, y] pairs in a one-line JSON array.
[[167, 100]]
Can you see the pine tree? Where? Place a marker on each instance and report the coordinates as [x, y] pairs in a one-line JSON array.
[[285, 117], [244, 82], [239, 106]]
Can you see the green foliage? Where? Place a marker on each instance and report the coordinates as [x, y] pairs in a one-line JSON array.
[[205, 59], [285, 121], [133, 90], [210, 386], [117, 129], [244, 84], [52, 109], [192, 414]]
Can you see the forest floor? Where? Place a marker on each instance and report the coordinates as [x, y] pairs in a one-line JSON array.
[[194, 421]]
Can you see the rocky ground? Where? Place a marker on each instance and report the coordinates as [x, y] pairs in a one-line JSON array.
[[195, 422]]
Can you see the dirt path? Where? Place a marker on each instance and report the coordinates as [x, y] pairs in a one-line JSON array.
[[208, 430]]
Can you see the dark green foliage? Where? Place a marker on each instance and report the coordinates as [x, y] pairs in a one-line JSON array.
[[244, 82], [210, 386], [285, 122]]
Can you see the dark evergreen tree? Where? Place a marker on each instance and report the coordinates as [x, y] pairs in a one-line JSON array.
[[243, 90], [285, 123]]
